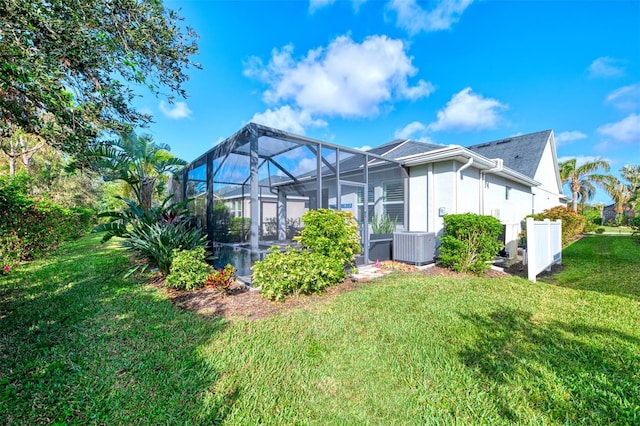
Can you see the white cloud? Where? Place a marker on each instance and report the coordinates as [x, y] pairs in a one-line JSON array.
[[178, 111], [346, 78], [606, 67], [410, 130], [626, 130], [468, 111], [319, 4], [363, 148], [414, 19], [564, 138], [287, 118], [626, 98]]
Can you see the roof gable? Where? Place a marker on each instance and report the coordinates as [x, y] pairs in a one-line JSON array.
[[520, 153]]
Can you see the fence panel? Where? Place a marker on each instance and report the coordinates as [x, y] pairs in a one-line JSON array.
[[544, 246]]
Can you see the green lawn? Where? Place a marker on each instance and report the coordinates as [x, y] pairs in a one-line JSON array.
[[617, 229], [81, 345]]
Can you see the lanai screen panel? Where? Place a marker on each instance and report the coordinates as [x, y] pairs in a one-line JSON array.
[[196, 188], [252, 189]]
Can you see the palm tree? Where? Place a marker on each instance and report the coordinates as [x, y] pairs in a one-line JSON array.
[[620, 194], [581, 179], [138, 161], [631, 173]]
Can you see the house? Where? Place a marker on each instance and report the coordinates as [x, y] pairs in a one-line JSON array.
[[412, 182], [609, 214]]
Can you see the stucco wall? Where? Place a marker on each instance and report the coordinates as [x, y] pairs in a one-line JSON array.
[[548, 194]]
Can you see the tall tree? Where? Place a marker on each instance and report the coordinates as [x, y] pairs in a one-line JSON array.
[[67, 67], [136, 160], [20, 146], [581, 179], [620, 194], [631, 173]]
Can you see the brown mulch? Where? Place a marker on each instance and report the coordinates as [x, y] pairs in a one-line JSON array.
[[243, 302]]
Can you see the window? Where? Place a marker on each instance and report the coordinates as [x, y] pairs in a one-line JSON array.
[[370, 204], [507, 192], [236, 208], [393, 200]]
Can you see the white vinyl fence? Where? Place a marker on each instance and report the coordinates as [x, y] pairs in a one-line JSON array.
[[544, 245]]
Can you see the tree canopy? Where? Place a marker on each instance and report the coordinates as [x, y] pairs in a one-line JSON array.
[[67, 67], [136, 160], [581, 179]]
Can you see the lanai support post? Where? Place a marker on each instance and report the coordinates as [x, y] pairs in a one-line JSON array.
[[282, 215], [254, 203]]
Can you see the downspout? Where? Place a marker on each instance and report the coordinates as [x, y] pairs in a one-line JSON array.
[[459, 178], [497, 168]]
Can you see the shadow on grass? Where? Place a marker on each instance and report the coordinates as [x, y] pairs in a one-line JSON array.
[[80, 344], [563, 372]]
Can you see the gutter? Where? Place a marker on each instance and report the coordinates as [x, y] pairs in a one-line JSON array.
[[499, 166], [459, 178]]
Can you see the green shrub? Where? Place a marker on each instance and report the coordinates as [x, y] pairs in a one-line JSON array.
[[189, 269], [158, 241], [383, 224], [154, 233], [293, 271], [331, 233], [239, 229], [469, 242], [222, 279], [572, 222], [31, 227], [599, 230]]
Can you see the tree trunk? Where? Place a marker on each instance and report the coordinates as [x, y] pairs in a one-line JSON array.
[[12, 166], [574, 202], [146, 192]]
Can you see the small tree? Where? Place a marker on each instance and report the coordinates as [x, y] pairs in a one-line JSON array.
[[469, 242], [331, 233], [572, 223], [136, 160], [330, 241]]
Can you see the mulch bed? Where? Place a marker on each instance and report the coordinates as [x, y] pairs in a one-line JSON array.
[[243, 302]]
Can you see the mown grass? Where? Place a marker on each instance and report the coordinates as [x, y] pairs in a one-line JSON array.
[[407, 349], [80, 344]]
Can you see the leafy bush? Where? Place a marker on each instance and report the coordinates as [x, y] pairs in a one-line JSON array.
[[239, 229], [154, 233], [157, 242], [31, 227], [599, 230], [331, 233], [572, 222], [222, 279], [189, 269], [383, 224], [469, 242], [293, 271]]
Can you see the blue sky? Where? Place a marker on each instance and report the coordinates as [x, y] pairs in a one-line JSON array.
[[362, 72]]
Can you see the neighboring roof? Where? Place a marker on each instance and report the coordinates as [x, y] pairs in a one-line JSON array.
[[519, 153], [400, 148]]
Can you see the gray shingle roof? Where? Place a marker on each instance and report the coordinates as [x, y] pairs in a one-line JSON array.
[[520, 153], [399, 148]]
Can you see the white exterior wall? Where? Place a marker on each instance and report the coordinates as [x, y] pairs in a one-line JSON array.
[[548, 194], [418, 199], [444, 197], [512, 210], [468, 190]]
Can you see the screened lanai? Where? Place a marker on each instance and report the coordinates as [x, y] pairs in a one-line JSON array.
[[252, 189]]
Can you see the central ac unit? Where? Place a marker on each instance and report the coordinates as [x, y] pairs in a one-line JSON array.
[[414, 247]]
